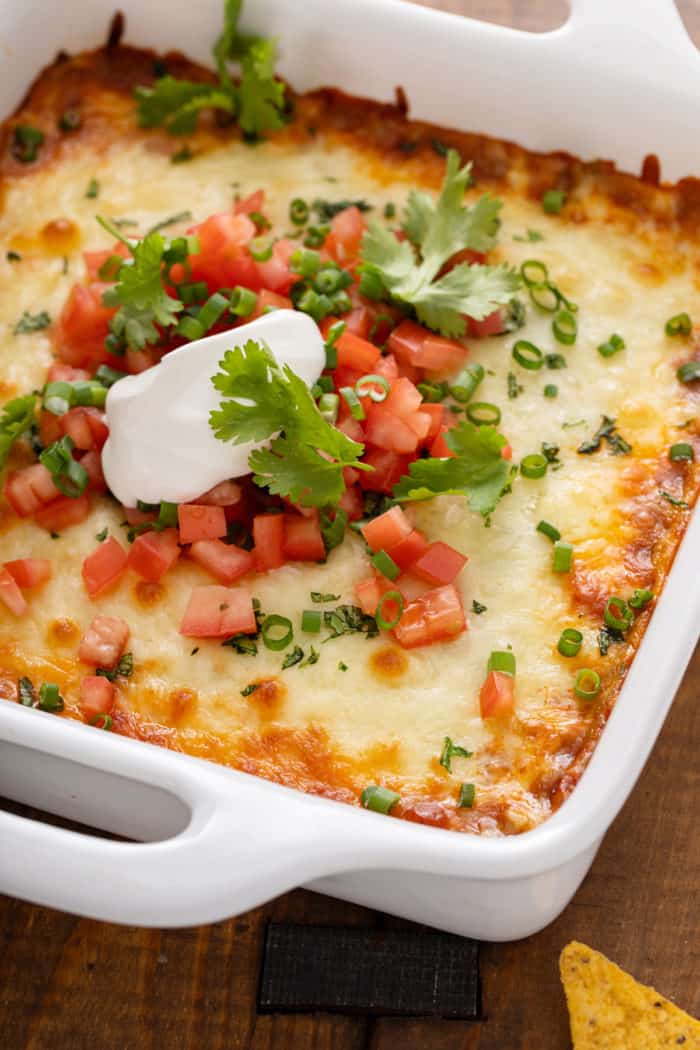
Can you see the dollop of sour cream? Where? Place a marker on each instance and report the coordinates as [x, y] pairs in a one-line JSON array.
[[160, 444]]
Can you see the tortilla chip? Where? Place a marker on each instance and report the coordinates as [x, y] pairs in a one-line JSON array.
[[609, 1010]]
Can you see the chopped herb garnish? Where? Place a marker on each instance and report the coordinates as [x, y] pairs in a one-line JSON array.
[[555, 361], [194, 651], [680, 324], [553, 201], [550, 390], [25, 693], [437, 230], [342, 666], [243, 644], [312, 658], [640, 598], [295, 656], [70, 120], [439, 147], [124, 668], [318, 597], [93, 189], [514, 387], [181, 216], [248, 689], [182, 155], [478, 608], [18, 416], [607, 431], [102, 535], [467, 794], [349, 619], [551, 454], [69, 476], [327, 210], [389, 210], [606, 637], [29, 322], [613, 346], [673, 500], [681, 452], [26, 143], [450, 751], [530, 236], [13, 256]]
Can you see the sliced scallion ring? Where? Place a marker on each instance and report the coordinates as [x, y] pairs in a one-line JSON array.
[[640, 598], [545, 295], [242, 301], [680, 324], [353, 402], [260, 249], [102, 721], [299, 212], [689, 372], [367, 387], [270, 632], [528, 355], [464, 386], [587, 683], [617, 614], [565, 327], [483, 413], [385, 564], [389, 621], [570, 641], [533, 466], [534, 271]]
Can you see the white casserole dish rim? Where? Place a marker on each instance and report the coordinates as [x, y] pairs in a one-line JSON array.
[[327, 837]]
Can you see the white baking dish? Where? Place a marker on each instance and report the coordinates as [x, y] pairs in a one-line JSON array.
[[618, 80]]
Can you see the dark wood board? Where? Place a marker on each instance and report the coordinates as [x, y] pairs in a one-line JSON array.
[[75, 984]]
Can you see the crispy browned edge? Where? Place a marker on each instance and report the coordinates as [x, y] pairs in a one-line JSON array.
[[99, 85]]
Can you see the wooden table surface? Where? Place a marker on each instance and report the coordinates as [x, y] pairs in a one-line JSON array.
[[73, 984]]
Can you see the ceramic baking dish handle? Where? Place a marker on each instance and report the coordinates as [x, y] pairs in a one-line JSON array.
[[234, 840], [645, 23]]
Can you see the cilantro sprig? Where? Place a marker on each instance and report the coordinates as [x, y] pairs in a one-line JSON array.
[[409, 271], [17, 418], [307, 455], [477, 471], [257, 101]]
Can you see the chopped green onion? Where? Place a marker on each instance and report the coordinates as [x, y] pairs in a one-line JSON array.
[[545, 296], [681, 452], [313, 304], [614, 344], [193, 292], [640, 598], [467, 794], [680, 324], [587, 683], [49, 697], [555, 361], [167, 515], [551, 390], [533, 271], [553, 201], [330, 279], [305, 262], [260, 249], [25, 693], [102, 721], [570, 641], [315, 236], [328, 405], [379, 799], [271, 637], [389, 210], [69, 477], [311, 621], [528, 355], [242, 301], [434, 393], [565, 327], [26, 143], [214, 308], [353, 402], [689, 372], [299, 212], [616, 614], [108, 376], [367, 387], [334, 333], [464, 386], [390, 596], [483, 413], [548, 530], [93, 189], [501, 660], [385, 564], [533, 466], [189, 328], [562, 555]]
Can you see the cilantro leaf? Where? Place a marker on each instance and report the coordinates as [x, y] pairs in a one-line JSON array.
[[141, 295], [436, 230], [17, 417], [260, 96], [175, 104], [478, 470], [305, 460]]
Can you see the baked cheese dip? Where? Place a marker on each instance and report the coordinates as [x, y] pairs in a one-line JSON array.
[[341, 449]]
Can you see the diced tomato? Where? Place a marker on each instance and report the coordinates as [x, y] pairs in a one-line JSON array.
[[302, 539], [387, 468], [406, 341], [254, 202], [86, 426], [10, 594], [200, 522], [490, 325], [388, 367], [137, 361], [358, 322], [50, 428], [356, 353], [268, 540], [153, 553], [95, 260], [56, 516], [497, 696], [91, 463], [345, 377], [404, 398], [223, 259], [83, 326], [216, 612], [411, 586], [97, 695], [435, 616], [104, 641], [464, 255], [351, 503], [351, 428], [347, 229], [226, 562], [439, 448], [274, 273], [386, 430], [409, 549], [29, 489], [437, 417], [58, 372], [29, 572], [225, 494], [507, 452], [387, 530], [369, 592], [438, 354], [272, 300], [439, 564], [104, 567]]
